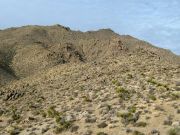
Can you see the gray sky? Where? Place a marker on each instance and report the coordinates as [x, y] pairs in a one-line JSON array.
[[156, 21]]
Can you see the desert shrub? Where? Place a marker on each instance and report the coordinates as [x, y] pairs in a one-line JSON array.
[[15, 116], [175, 96], [152, 81], [101, 133], [129, 76], [14, 130], [115, 82], [138, 133], [158, 84], [123, 93], [132, 109], [140, 124], [152, 97], [51, 112], [62, 125], [82, 88], [174, 131], [43, 113], [87, 99], [126, 117]]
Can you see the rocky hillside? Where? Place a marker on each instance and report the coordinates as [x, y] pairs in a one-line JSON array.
[[27, 50], [57, 81]]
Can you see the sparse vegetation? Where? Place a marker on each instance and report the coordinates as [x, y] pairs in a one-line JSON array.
[[62, 126], [15, 116], [14, 130], [123, 93], [175, 96], [1, 112], [132, 109], [87, 99], [174, 131], [116, 82], [129, 76], [51, 112], [43, 113], [126, 117], [158, 84], [138, 133], [152, 81], [101, 133], [152, 97], [140, 124], [70, 82]]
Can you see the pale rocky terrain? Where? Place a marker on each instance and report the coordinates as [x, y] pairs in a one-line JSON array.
[[57, 81]]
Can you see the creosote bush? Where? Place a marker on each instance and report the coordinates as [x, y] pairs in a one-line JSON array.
[[115, 82], [123, 93], [15, 116], [62, 124], [132, 109], [138, 133], [51, 112], [126, 117], [174, 131], [152, 97], [175, 96], [158, 84], [140, 124]]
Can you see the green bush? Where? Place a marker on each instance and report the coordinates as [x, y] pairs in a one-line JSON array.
[[174, 131], [138, 133], [62, 126], [140, 124], [175, 96], [132, 109], [15, 116], [152, 97], [123, 93], [51, 112], [115, 82]]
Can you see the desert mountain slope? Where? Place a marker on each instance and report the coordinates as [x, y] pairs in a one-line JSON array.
[[32, 48], [57, 81]]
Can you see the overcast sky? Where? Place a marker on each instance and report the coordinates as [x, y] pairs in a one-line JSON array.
[[156, 21]]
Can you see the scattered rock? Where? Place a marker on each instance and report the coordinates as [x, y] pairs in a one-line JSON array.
[[90, 120], [168, 121], [128, 130], [155, 132], [112, 125], [178, 111], [74, 128], [102, 125], [31, 118], [176, 124], [177, 83], [102, 133], [44, 130], [137, 133], [88, 132]]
